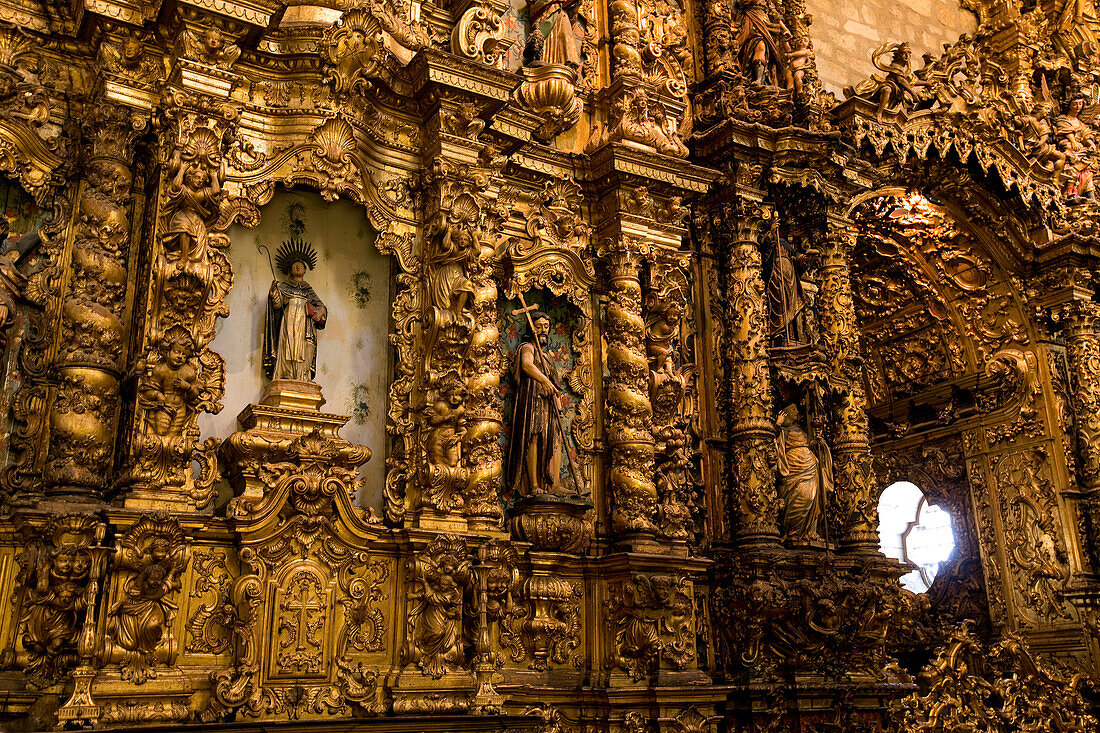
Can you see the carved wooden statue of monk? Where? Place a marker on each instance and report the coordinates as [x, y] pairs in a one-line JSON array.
[[294, 315]]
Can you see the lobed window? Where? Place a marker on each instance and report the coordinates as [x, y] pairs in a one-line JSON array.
[[914, 531]]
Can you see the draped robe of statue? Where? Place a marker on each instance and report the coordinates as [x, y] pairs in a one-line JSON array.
[[559, 44], [754, 31], [805, 475], [294, 314], [534, 428]]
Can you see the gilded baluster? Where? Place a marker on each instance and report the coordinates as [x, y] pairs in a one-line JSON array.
[[629, 412], [856, 495], [1083, 353], [754, 506], [91, 339]]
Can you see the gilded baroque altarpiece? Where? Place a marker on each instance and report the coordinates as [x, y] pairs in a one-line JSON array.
[[664, 318]]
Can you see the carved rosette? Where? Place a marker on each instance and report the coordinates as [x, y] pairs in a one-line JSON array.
[[91, 353], [754, 505], [629, 413]]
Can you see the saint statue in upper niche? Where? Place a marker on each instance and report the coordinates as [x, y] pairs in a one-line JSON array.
[[294, 315], [553, 38]]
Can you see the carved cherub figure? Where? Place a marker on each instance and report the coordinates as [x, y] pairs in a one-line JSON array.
[[170, 389], [208, 46], [799, 55], [446, 420]]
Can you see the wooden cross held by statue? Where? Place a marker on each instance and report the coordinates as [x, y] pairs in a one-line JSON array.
[[578, 484]]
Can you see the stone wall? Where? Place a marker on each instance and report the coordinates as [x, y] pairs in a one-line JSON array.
[[846, 31]]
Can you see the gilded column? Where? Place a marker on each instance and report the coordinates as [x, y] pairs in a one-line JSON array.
[[629, 413], [754, 505], [1083, 352], [482, 453], [92, 338], [855, 492]]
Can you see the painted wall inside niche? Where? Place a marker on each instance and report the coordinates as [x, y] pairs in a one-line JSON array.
[[353, 351]]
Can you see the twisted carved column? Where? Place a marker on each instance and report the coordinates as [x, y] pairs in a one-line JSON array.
[[90, 354], [629, 413], [482, 453], [753, 505], [1083, 351], [854, 480]]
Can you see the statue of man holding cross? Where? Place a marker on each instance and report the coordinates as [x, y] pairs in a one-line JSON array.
[[535, 447]]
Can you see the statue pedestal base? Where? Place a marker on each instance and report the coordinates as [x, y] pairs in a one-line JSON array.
[[162, 699], [293, 395], [553, 523], [287, 410], [414, 692]]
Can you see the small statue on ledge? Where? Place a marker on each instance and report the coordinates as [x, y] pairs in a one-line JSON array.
[[294, 315], [805, 477]]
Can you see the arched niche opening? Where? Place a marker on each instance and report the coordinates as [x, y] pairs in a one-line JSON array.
[[354, 356], [915, 531]]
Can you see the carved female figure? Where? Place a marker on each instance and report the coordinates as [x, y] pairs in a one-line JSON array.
[[435, 610], [294, 315], [154, 555], [806, 476], [1074, 138]]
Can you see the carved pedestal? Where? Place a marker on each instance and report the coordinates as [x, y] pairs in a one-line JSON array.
[[553, 523], [451, 693], [550, 91], [287, 410], [164, 698]]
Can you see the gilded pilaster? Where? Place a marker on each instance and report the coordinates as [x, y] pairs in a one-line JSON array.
[[90, 357], [178, 375], [629, 412], [856, 497], [753, 503]]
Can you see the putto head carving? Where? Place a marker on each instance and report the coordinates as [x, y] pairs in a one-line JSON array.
[[295, 250]]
